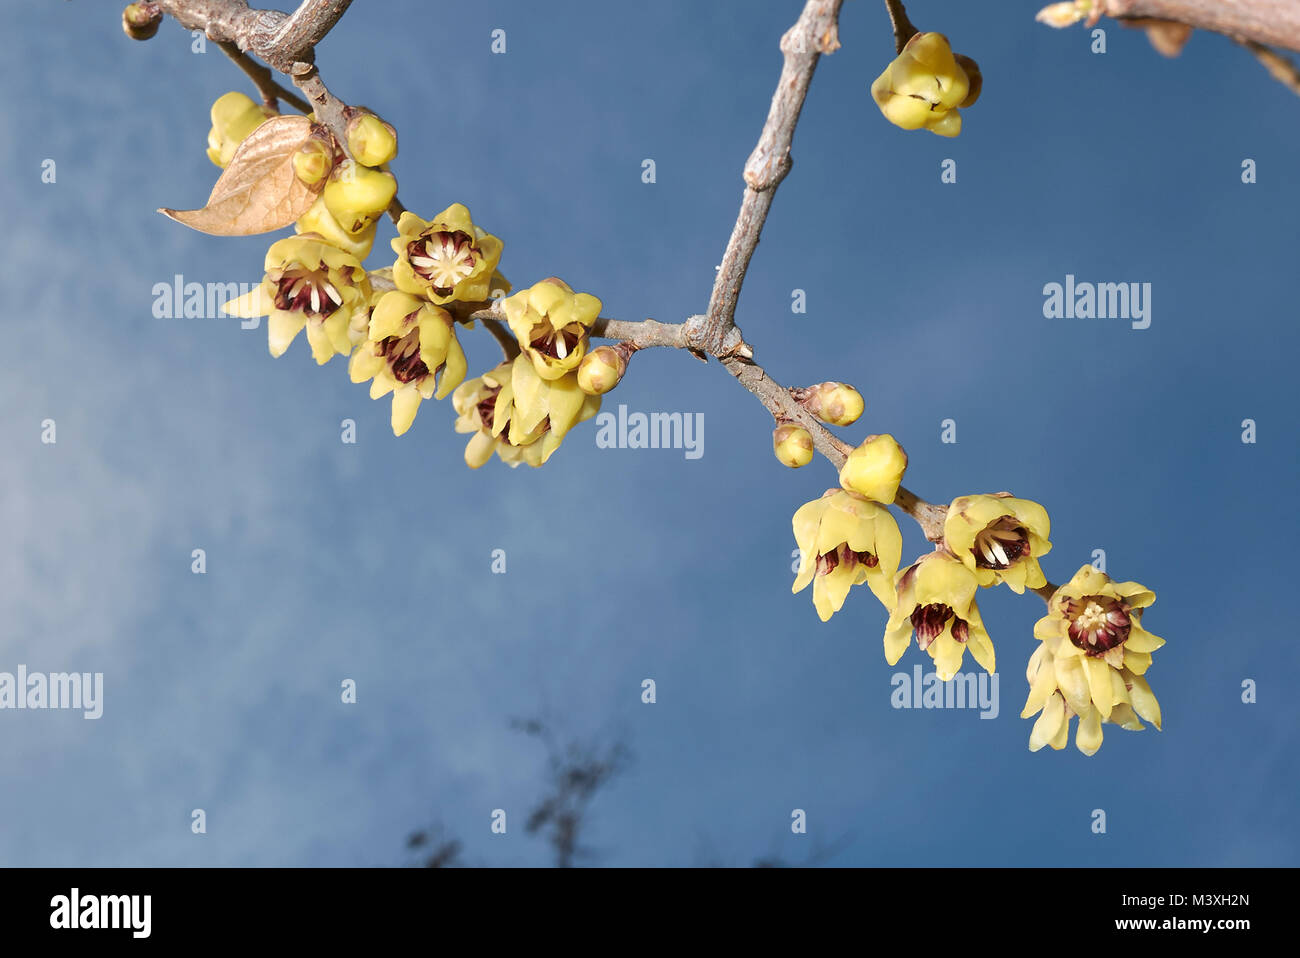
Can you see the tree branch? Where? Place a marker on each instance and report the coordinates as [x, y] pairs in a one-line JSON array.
[[270, 90], [278, 38], [814, 33], [1273, 23]]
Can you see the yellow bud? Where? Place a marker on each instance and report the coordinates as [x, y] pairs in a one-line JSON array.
[[925, 84], [141, 20], [356, 194], [875, 468], [234, 116], [313, 162], [835, 403], [600, 370], [792, 444], [371, 141]]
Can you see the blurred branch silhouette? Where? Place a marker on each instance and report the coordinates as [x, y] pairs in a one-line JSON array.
[[576, 772], [434, 849]]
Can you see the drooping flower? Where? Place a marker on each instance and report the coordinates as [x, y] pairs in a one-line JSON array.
[[1000, 539], [410, 350], [845, 540], [308, 283], [518, 415], [446, 258], [936, 601], [550, 321], [925, 85], [1092, 661]]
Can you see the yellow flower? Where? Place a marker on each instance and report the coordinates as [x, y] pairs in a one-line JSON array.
[[875, 468], [551, 321], [308, 283], [445, 259], [234, 116], [518, 415], [410, 350], [936, 599], [845, 540], [924, 86], [1092, 662], [1000, 539]]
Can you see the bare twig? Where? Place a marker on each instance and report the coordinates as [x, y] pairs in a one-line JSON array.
[[269, 88], [307, 27], [814, 33], [903, 28]]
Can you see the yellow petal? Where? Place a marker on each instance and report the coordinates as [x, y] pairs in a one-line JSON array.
[[406, 402], [256, 302], [1099, 684], [1140, 640], [282, 326], [1072, 681], [479, 449], [1144, 701], [947, 653], [1087, 738], [1049, 723], [1137, 662], [898, 635]]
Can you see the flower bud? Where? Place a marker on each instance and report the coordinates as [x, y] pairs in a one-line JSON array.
[[234, 116], [140, 21], [356, 194], [601, 369], [313, 161], [371, 141], [875, 468], [835, 403], [792, 444], [925, 85]]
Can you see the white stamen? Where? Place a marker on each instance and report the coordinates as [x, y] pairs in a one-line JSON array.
[[315, 298]]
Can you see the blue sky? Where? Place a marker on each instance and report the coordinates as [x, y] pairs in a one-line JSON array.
[[371, 561]]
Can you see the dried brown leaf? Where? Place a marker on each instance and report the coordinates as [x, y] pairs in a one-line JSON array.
[[258, 192]]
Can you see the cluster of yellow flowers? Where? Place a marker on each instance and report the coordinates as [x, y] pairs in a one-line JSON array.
[[1093, 652], [398, 325]]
